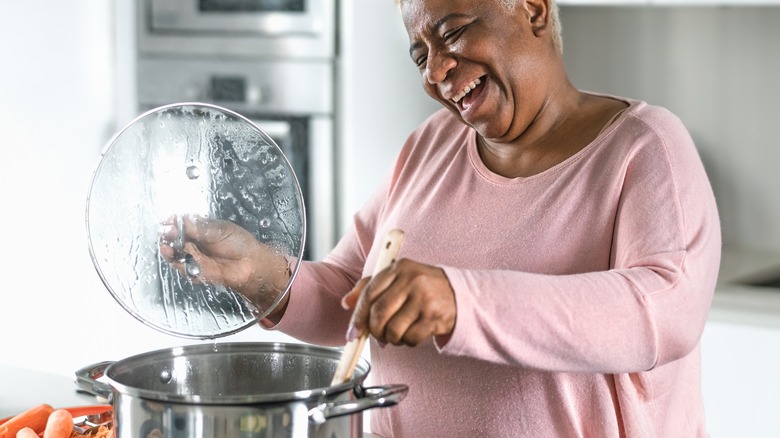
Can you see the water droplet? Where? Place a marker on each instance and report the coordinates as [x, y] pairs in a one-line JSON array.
[[193, 270], [165, 377], [193, 172], [265, 222]]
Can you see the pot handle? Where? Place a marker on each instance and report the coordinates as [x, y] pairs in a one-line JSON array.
[[367, 398], [87, 379]]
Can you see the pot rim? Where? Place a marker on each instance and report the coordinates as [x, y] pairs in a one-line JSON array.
[[361, 371]]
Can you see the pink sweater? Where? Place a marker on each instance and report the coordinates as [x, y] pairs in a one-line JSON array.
[[582, 292]]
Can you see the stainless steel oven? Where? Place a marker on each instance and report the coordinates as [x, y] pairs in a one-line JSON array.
[[256, 28], [272, 61]]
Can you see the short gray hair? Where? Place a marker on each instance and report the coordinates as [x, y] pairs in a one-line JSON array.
[[555, 21]]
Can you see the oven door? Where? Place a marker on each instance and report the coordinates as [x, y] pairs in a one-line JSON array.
[[246, 28], [307, 144], [261, 17]]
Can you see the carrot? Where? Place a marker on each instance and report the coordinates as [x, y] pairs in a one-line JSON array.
[[26, 432], [35, 418], [59, 425]]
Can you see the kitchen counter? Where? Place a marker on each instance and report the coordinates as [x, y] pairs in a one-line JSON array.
[[21, 389], [737, 301]]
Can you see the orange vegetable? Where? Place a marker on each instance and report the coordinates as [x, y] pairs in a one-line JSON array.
[[59, 425], [35, 418], [26, 432]]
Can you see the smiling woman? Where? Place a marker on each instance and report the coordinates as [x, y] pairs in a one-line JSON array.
[[561, 247]]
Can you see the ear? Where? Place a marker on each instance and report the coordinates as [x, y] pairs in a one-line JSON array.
[[539, 15]]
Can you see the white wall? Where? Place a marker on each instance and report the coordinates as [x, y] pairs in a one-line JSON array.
[[57, 90], [381, 99]]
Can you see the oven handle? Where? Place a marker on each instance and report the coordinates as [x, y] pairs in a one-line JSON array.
[[274, 128]]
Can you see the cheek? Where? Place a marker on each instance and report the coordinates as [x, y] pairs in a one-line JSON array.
[[430, 89]]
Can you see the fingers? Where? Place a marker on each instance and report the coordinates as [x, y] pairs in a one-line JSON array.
[[366, 290], [403, 305], [402, 327], [202, 229], [349, 301], [188, 227], [424, 311]]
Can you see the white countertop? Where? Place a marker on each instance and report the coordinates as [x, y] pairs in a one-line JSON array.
[[738, 302], [21, 389]]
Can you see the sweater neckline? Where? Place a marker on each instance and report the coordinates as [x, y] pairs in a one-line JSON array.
[[607, 131]]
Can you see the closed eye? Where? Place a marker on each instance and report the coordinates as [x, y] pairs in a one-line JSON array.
[[452, 35]]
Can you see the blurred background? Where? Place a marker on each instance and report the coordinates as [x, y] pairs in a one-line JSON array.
[[74, 73]]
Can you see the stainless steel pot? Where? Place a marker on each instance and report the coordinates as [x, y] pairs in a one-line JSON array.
[[240, 389]]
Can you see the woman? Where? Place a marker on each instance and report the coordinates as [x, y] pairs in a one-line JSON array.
[[560, 256]]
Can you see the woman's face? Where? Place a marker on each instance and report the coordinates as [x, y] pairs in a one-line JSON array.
[[482, 61]]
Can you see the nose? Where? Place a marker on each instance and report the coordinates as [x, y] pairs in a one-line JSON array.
[[437, 66]]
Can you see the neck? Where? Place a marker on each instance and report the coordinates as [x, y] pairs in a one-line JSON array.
[[563, 127]]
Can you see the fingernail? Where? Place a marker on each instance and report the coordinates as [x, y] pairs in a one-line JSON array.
[[352, 333]]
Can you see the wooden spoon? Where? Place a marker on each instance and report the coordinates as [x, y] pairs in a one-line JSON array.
[[352, 350]]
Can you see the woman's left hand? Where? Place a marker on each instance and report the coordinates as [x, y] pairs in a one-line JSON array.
[[405, 304]]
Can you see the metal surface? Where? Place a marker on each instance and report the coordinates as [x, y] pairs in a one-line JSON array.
[[181, 27], [270, 60], [91, 423], [298, 87], [237, 389], [176, 161], [296, 92]]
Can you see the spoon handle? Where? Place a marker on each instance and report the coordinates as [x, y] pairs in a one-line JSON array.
[[351, 353]]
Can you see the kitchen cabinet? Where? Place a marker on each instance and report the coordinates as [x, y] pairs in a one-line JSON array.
[[740, 382], [739, 302], [741, 349]]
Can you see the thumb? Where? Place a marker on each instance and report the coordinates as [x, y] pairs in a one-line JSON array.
[[349, 301], [357, 300]]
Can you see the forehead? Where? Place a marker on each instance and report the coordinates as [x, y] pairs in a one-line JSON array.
[[418, 14]]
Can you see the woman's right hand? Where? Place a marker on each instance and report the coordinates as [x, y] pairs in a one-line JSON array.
[[226, 254]]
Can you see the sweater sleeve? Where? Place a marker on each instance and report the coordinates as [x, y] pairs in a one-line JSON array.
[[648, 309], [314, 313]]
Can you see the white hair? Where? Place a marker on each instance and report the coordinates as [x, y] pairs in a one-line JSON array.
[[555, 22]]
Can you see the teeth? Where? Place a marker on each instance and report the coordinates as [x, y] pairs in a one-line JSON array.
[[466, 90]]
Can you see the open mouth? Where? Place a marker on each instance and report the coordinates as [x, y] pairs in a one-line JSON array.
[[470, 92]]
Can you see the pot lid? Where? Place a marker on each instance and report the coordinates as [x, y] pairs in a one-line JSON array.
[[179, 160]]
